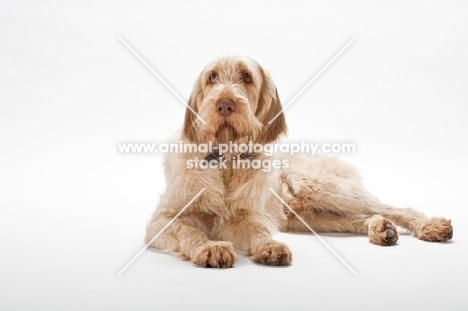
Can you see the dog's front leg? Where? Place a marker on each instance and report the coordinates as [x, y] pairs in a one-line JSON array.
[[183, 237], [250, 235]]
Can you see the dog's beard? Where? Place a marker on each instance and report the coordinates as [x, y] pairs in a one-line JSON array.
[[226, 134], [232, 140]]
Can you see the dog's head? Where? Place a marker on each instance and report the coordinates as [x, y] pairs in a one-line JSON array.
[[236, 98]]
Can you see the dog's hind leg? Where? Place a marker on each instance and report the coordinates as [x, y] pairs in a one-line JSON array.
[[326, 185], [380, 230], [351, 208]]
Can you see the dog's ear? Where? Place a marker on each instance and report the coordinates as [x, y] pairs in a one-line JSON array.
[[269, 107], [189, 130]]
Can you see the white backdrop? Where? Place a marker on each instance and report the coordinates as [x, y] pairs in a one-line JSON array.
[[74, 210]]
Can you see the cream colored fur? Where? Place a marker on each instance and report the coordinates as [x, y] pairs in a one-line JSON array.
[[237, 210]]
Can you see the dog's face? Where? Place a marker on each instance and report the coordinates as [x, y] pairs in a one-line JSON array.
[[236, 98]]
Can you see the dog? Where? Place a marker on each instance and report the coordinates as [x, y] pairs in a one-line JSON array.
[[233, 100]]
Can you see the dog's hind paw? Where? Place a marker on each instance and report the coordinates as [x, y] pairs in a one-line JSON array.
[[436, 230], [272, 253], [383, 232]]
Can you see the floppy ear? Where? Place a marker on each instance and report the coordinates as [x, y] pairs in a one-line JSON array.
[[268, 108], [189, 129]]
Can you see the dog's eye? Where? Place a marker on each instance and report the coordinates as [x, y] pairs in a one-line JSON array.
[[246, 77], [213, 77]]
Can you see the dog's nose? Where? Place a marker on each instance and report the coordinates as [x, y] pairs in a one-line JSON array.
[[225, 106]]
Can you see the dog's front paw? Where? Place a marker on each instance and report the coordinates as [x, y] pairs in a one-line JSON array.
[[215, 254], [272, 253], [436, 230], [383, 232]]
